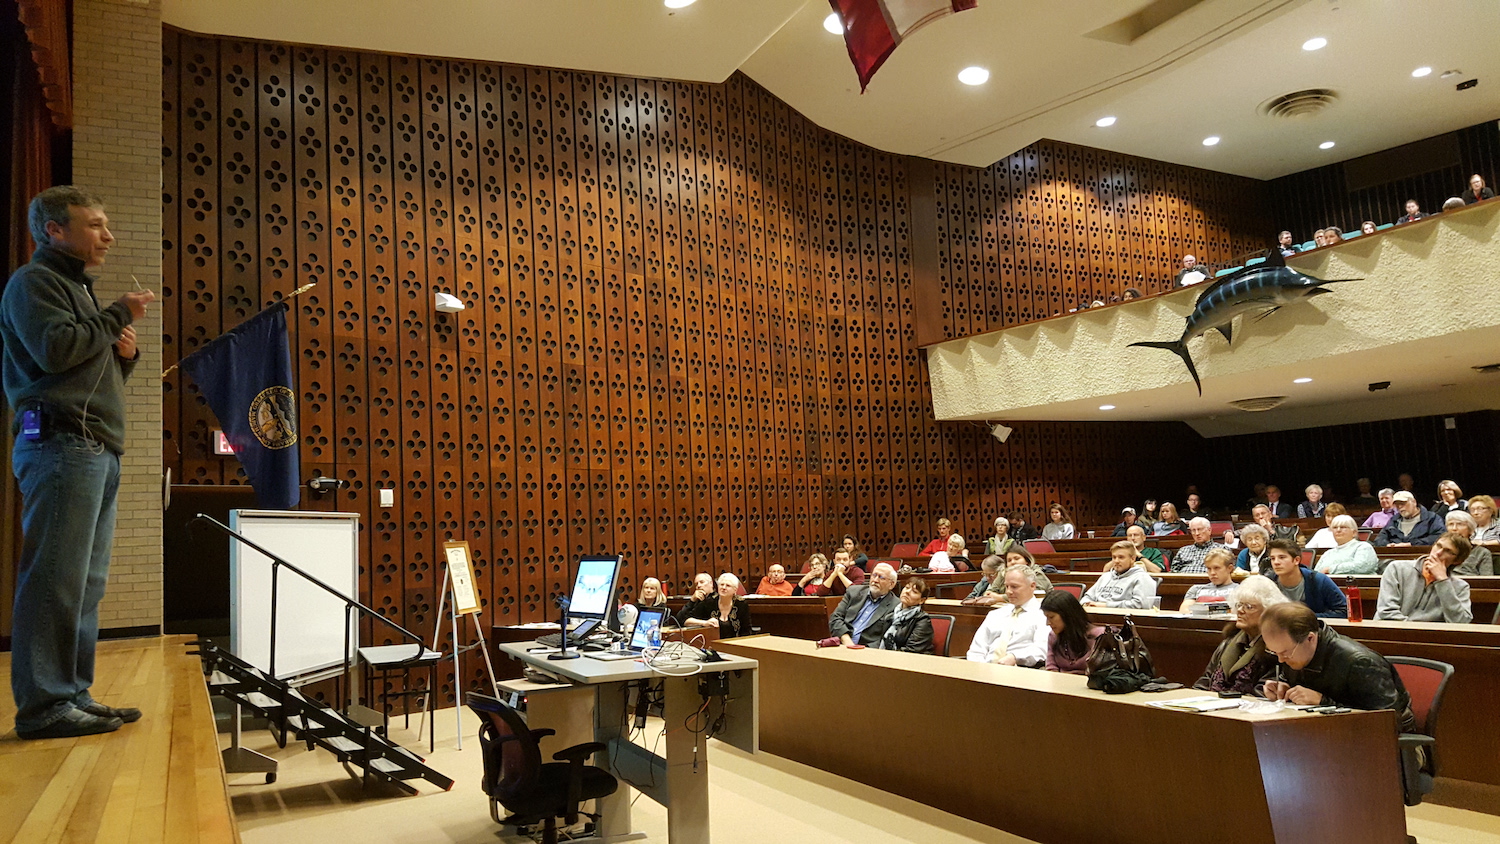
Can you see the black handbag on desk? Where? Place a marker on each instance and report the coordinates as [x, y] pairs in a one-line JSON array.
[[1119, 662]]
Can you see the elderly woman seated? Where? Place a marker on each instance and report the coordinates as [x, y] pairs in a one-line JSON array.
[[1254, 557], [1349, 554], [1480, 561], [1324, 537], [1482, 508], [990, 577], [1241, 660], [911, 626]]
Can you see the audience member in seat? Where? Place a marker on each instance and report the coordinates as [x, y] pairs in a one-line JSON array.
[[1365, 497], [703, 593], [843, 573], [989, 577], [1266, 519], [1427, 589], [1487, 530], [949, 559], [1195, 508], [1059, 525], [1323, 667], [1021, 557], [1219, 564], [1002, 541], [1453, 203], [1405, 482], [1189, 559], [1479, 562], [651, 595], [1287, 245], [1169, 522], [775, 584], [1280, 509], [1367, 227], [1131, 293], [1324, 537], [1019, 529], [814, 583], [1190, 273], [1127, 518], [1413, 524], [1313, 507], [727, 611], [1123, 584], [1332, 235], [1253, 557], [1381, 517], [1349, 554], [1299, 583], [911, 626], [1014, 633], [1413, 212], [1071, 635], [1241, 661], [1450, 497], [945, 529], [1150, 558], [865, 613], [856, 554], [1477, 191]]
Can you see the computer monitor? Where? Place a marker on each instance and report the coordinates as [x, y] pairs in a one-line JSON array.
[[594, 588]]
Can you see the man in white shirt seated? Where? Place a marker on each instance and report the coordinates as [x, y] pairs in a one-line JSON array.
[[1190, 273], [1219, 563], [1015, 632]]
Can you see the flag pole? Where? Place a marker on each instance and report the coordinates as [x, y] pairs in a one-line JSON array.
[[294, 294]]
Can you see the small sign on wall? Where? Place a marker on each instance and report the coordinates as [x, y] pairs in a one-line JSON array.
[[221, 445]]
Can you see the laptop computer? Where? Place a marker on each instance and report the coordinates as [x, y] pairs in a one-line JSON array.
[[648, 621]]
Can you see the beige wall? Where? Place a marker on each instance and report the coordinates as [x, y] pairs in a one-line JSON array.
[[117, 152]]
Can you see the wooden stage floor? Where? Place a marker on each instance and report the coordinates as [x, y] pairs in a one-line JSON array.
[[157, 780]]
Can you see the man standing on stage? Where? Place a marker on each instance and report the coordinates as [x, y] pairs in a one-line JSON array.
[[64, 367]]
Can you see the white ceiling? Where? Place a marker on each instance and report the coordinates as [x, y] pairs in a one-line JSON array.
[[1203, 72]]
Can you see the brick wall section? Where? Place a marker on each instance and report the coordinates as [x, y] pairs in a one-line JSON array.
[[117, 152]]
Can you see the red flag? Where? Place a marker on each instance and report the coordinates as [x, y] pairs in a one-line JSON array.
[[873, 28]]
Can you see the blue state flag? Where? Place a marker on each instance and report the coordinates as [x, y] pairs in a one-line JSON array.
[[246, 376]]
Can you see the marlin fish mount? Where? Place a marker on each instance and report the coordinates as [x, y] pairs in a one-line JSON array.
[[1266, 287]]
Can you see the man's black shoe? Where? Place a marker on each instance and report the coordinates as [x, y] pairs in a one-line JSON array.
[[75, 723], [125, 713]]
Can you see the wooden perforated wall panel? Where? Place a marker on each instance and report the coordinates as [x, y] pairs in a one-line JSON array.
[[1056, 225], [689, 335]]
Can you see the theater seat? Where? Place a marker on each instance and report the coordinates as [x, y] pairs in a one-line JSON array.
[[1310, 245], [1425, 680], [905, 549], [1253, 261], [1383, 226], [1218, 528], [1308, 555], [1226, 271], [942, 628], [1076, 588], [1039, 546]]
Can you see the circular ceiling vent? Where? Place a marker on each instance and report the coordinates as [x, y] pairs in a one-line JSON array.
[[1260, 404], [1299, 103]]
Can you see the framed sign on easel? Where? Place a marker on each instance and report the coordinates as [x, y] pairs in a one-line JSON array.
[[461, 598]]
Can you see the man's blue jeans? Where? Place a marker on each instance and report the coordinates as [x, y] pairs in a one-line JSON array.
[[68, 491]]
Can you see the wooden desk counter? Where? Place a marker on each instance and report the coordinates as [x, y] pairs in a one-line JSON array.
[[1056, 782]]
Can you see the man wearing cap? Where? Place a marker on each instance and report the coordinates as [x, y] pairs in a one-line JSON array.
[[1413, 524], [1127, 518]]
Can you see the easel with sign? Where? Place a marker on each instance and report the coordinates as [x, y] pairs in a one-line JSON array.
[[461, 599]]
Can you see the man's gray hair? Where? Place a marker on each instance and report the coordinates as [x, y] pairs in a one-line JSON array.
[[1386, 491], [1256, 589], [992, 563], [888, 567], [53, 205], [1023, 569], [1199, 521]]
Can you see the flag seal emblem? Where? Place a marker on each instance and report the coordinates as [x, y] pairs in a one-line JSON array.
[[273, 417]]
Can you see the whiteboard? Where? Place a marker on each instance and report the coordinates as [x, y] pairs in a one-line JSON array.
[[310, 623]]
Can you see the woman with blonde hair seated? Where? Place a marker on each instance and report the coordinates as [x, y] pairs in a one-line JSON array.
[[1241, 660], [1324, 537], [1482, 508], [1349, 554], [651, 595], [1450, 497]]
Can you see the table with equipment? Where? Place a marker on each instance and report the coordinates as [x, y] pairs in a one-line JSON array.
[[716, 698]]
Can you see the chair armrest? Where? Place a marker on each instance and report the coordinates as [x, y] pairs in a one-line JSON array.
[[1408, 740], [538, 735], [578, 752], [1411, 766]]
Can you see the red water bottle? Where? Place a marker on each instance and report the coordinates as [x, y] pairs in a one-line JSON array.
[[1351, 595]]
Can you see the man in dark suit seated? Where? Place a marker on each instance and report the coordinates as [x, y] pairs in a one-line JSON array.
[[865, 612], [1280, 509]]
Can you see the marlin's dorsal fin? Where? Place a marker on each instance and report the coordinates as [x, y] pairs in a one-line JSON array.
[[1274, 258]]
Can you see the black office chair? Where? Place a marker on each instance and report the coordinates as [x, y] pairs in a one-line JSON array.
[[516, 778]]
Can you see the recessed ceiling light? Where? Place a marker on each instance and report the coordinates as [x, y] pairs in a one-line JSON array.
[[1421, 72], [1326, 145], [833, 24], [974, 75], [1301, 380], [1314, 44], [1106, 407], [1210, 140], [678, 4], [1104, 122], [1449, 74]]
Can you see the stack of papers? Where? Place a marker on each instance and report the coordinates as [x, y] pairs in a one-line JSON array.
[[1205, 703]]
